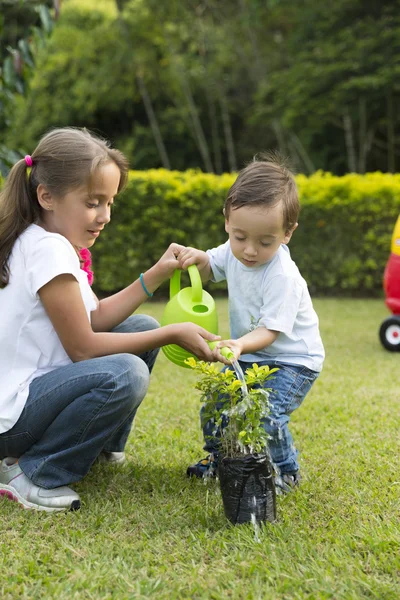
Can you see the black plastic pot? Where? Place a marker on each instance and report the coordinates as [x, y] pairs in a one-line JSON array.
[[248, 488]]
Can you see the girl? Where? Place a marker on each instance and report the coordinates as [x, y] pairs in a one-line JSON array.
[[73, 369]]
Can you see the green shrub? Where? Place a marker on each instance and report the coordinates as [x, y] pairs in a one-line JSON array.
[[343, 240], [341, 245], [158, 207], [240, 416]]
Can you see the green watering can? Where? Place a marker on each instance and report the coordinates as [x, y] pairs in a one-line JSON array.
[[190, 304]]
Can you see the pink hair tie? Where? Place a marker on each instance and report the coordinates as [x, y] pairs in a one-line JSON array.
[[28, 160], [86, 259]]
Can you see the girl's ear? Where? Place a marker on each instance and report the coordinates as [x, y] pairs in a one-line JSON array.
[[289, 233], [44, 197]]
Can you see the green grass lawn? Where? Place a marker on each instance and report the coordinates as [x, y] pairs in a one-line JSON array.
[[145, 531]]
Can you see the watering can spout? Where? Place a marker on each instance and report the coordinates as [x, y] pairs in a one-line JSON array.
[[225, 351]]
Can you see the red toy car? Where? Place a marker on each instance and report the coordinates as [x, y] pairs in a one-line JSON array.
[[389, 332]]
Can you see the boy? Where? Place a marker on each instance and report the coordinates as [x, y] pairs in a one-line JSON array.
[[272, 320]]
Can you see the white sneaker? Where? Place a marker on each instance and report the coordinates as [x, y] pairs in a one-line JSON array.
[[115, 458], [15, 485]]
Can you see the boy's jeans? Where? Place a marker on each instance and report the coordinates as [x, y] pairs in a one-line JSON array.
[[76, 411], [289, 387]]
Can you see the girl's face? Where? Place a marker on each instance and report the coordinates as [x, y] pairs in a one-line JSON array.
[[255, 233], [80, 215]]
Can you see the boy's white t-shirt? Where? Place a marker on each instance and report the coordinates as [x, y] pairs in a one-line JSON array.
[[29, 344], [273, 295]]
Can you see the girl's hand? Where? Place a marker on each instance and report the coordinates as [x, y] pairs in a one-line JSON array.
[[234, 345], [192, 256], [169, 262], [193, 338]]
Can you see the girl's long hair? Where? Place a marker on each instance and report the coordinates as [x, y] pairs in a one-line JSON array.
[[64, 160]]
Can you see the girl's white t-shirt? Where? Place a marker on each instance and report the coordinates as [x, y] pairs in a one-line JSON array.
[[29, 344]]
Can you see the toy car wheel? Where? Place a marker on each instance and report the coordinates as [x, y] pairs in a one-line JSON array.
[[389, 334]]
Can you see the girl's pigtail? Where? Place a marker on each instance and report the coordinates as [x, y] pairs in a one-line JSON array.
[[19, 208]]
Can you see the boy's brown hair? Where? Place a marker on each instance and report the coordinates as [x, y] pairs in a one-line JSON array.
[[266, 181]]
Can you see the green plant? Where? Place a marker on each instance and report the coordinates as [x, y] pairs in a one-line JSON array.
[[239, 418], [341, 246]]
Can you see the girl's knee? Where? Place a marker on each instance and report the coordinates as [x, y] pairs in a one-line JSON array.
[[131, 379], [149, 323], [137, 323]]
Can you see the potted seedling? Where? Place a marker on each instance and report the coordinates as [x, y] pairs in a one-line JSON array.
[[245, 471]]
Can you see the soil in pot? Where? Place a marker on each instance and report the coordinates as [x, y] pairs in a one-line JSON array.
[[248, 488]]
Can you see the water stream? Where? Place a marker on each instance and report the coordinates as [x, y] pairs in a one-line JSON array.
[[254, 522], [240, 376]]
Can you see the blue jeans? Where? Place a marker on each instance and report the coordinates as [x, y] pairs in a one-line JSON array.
[[76, 411], [289, 387]]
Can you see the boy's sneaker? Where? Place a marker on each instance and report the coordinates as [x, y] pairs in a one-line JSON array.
[[15, 485], [204, 468], [113, 458], [285, 482]]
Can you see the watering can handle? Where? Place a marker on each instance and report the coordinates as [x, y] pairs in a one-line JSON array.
[[195, 280]]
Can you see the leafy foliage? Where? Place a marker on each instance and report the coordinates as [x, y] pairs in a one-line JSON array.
[[341, 245], [209, 84], [24, 29], [344, 76], [345, 228], [158, 207], [238, 418]]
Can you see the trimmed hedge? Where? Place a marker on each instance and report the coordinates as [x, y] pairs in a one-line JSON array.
[[341, 245], [158, 207], [345, 229]]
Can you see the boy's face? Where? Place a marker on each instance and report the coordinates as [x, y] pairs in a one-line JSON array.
[[256, 232]]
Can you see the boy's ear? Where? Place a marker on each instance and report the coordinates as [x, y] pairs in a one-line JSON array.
[[289, 233], [44, 197], [226, 225]]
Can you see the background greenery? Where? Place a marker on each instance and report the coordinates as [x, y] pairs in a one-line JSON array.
[[208, 83], [145, 531], [204, 85], [341, 246]]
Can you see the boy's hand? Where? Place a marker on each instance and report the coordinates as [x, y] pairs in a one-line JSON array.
[[192, 256], [234, 345]]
